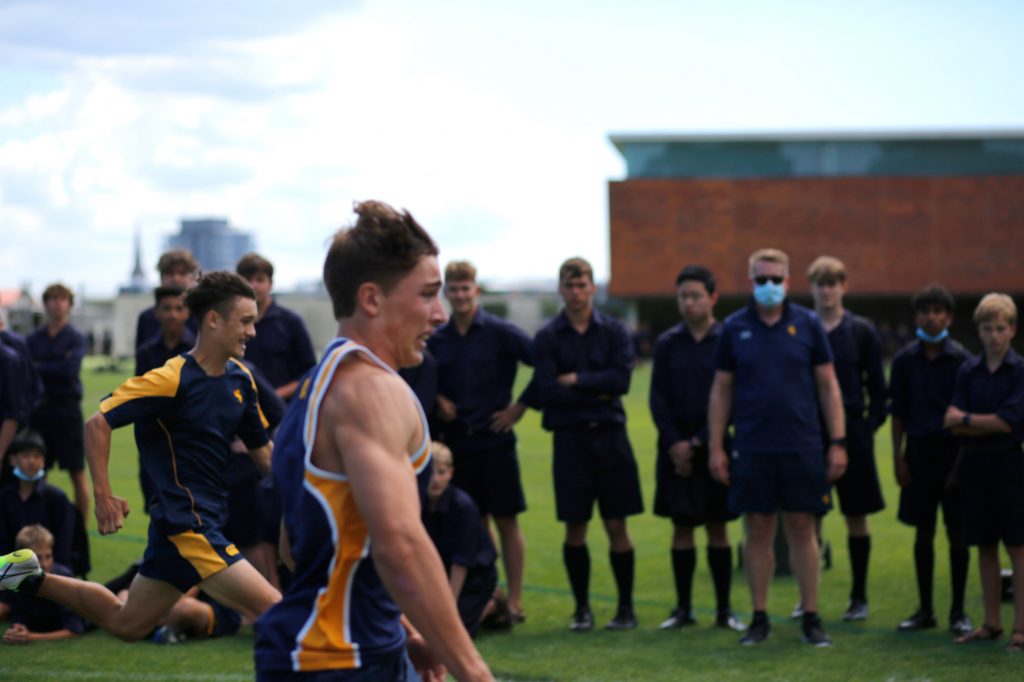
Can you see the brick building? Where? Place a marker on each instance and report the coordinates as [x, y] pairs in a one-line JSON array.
[[900, 210]]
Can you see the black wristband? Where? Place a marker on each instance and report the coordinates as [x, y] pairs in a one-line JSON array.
[[839, 441], [966, 420]]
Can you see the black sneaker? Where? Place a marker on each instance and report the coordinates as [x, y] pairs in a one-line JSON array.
[[919, 620], [857, 609], [959, 623], [582, 620], [758, 631], [814, 633], [625, 619], [679, 618], [727, 620]]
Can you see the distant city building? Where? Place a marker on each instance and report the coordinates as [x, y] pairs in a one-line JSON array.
[[214, 243]]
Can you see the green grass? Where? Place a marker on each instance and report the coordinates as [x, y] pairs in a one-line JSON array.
[[543, 649]]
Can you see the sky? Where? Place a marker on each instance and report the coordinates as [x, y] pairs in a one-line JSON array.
[[488, 121]]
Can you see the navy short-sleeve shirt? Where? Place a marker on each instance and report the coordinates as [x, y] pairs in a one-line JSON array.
[[775, 393], [1001, 393], [921, 388]]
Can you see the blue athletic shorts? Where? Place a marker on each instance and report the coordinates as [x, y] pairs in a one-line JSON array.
[[489, 473], [767, 482], [393, 668], [186, 559], [991, 498], [932, 483]]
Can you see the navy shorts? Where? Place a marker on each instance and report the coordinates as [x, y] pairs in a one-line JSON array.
[[186, 559], [477, 590], [595, 463], [767, 482], [489, 473], [932, 483], [992, 496], [224, 622], [690, 501], [61, 427], [395, 667], [859, 490]]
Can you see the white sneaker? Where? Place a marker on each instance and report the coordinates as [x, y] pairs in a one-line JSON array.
[[16, 567]]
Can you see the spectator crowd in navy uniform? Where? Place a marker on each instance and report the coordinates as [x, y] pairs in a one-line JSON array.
[[730, 416]]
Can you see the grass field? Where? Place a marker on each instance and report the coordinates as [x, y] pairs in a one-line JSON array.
[[543, 649]]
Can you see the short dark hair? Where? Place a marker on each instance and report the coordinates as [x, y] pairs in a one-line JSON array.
[[58, 290], [382, 247], [169, 291], [26, 440], [933, 294], [176, 259], [575, 267], [252, 264], [697, 273], [217, 290]]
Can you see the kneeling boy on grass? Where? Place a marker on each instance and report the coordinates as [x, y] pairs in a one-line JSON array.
[[468, 553]]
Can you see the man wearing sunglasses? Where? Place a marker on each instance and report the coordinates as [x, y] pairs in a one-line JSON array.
[[775, 375]]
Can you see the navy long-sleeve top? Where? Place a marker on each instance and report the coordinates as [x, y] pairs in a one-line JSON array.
[[857, 354], [477, 370], [684, 369], [602, 358], [58, 360]]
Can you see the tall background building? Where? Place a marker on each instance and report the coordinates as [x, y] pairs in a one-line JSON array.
[[214, 243]]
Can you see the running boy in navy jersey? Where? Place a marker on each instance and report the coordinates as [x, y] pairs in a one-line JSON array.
[[351, 446], [921, 388], [987, 412], [187, 413]]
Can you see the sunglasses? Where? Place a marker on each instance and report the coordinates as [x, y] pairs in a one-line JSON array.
[[764, 279]]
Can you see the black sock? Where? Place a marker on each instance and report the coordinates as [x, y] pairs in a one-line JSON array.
[[810, 618], [924, 564], [683, 563], [577, 565], [720, 563], [959, 561], [760, 617], [860, 551], [622, 567], [30, 585]]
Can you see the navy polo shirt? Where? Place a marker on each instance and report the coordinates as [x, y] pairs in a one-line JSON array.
[[422, 379], [920, 389], [154, 353], [858, 360], [46, 505], [601, 357], [454, 526], [684, 369], [979, 391], [477, 371], [281, 349], [148, 326], [58, 360], [775, 392]]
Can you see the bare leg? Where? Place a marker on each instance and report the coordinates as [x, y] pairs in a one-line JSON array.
[[81, 486], [991, 584], [682, 536], [759, 556], [1017, 561], [191, 616], [242, 588], [803, 555], [147, 603], [263, 557], [856, 526], [513, 554]]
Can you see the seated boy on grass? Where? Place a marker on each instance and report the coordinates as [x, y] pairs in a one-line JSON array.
[[468, 553], [34, 619]]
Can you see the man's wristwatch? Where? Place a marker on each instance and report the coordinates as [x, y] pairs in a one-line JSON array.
[[966, 420], [841, 442], [695, 442]]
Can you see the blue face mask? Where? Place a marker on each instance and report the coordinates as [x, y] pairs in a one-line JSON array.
[[769, 294], [928, 338], [25, 477]]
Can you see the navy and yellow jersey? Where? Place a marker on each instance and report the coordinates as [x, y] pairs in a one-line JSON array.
[[336, 613], [185, 421]]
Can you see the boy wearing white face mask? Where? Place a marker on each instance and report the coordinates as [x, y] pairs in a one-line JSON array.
[[31, 500]]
